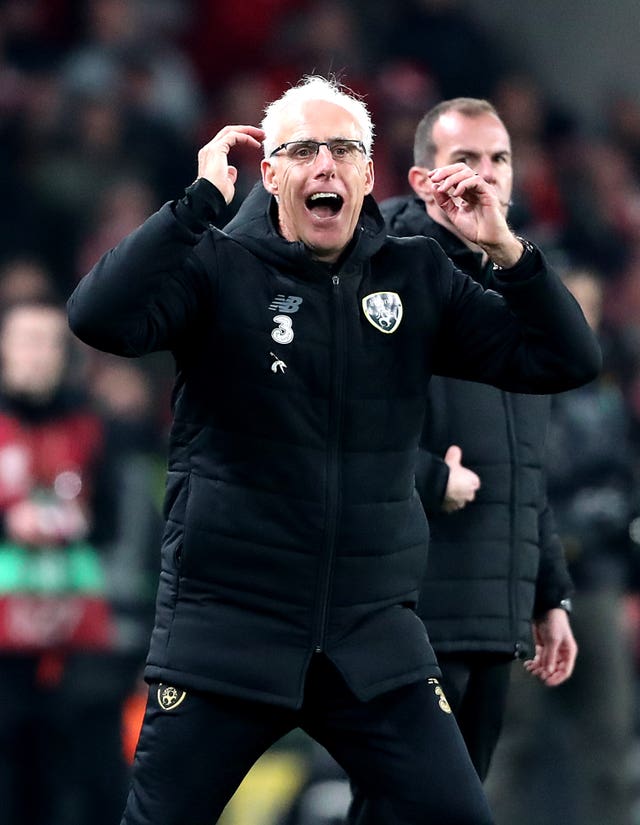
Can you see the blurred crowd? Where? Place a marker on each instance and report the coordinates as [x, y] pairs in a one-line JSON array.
[[103, 107]]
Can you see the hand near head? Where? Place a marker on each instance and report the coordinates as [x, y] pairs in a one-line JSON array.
[[213, 158], [473, 207], [556, 648], [462, 484]]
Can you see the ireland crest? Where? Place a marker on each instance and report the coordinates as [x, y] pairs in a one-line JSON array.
[[383, 310]]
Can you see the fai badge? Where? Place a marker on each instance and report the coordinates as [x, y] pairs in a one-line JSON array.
[[170, 697], [383, 310]]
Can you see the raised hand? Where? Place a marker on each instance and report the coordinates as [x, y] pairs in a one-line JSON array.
[[473, 207], [213, 158]]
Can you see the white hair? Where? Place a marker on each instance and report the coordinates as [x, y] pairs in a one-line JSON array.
[[315, 87]]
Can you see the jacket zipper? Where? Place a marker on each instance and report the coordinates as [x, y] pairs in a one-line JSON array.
[[332, 492]]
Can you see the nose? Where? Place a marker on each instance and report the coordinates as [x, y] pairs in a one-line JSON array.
[[486, 170], [324, 162]]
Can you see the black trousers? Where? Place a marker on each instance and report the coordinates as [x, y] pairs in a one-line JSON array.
[[476, 685], [403, 748]]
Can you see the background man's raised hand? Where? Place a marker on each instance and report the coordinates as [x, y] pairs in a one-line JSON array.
[[473, 207]]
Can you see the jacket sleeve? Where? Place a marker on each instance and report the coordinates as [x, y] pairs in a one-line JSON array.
[[432, 472], [432, 475], [144, 293], [554, 581], [528, 335]]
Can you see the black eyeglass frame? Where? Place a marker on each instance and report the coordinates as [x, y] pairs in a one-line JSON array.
[[318, 143]]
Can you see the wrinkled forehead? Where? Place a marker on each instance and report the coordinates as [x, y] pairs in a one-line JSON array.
[[318, 120], [484, 130]]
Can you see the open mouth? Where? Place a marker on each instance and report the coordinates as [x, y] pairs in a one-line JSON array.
[[324, 204]]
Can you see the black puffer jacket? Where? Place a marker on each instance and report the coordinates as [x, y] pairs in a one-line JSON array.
[[293, 524], [498, 561]]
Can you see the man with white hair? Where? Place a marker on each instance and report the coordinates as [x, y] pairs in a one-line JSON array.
[[295, 541]]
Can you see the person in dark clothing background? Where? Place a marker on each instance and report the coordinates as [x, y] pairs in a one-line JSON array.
[[495, 564], [64, 672], [295, 541]]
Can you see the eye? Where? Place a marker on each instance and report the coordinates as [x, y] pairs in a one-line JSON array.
[[301, 151], [341, 150], [345, 149]]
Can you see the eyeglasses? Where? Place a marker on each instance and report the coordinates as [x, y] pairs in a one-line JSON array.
[[306, 151]]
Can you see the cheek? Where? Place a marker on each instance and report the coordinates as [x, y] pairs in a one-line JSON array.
[[286, 184]]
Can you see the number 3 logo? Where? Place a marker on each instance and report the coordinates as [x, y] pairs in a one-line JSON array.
[[283, 334]]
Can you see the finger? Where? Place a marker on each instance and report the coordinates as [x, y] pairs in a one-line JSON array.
[[549, 658], [253, 132], [566, 661], [441, 172], [541, 675], [459, 174], [533, 665], [231, 136], [453, 455], [557, 677]]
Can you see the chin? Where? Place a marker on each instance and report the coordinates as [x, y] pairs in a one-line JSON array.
[[322, 252], [328, 246], [326, 256]]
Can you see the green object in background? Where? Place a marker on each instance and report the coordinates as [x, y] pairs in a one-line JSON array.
[[75, 569]]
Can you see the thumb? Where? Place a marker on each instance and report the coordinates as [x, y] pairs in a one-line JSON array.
[[453, 455]]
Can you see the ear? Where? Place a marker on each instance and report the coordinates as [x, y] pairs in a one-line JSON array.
[[420, 182], [369, 177], [269, 177]]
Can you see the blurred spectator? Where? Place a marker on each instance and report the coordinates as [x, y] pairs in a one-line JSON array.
[[448, 43], [49, 447], [402, 91], [25, 278], [118, 211], [28, 105], [321, 38], [73, 599], [124, 395], [32, 32], [227, 39], [622, 124], [602, 198], [562, 199], [537, 198], [133, 34], [575, 741]]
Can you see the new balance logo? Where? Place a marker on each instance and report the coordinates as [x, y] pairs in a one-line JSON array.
[[286, 303]]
